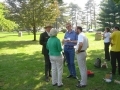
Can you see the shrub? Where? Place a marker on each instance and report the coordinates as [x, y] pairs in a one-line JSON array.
[[63, 30]]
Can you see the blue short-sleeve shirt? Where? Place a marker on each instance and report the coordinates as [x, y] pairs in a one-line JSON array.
[[72, 35]]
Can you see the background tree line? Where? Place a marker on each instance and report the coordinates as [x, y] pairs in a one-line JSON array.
[[109, 15], [32, 15]]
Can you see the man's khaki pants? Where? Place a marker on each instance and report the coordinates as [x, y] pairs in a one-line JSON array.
[[81, 58]]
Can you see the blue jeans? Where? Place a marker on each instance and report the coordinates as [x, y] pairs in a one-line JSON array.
[[70, 54]]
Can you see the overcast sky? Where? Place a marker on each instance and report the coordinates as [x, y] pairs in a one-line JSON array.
[[81, 3]]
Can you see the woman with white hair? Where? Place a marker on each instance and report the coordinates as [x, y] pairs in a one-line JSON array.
[[56, 59]]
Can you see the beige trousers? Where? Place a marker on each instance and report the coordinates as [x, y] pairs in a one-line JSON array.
[[81, 58], [57, 69]]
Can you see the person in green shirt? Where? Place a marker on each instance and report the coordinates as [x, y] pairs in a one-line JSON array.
[[56, 59]]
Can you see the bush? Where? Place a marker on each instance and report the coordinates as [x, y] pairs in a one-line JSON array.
[[63, 30], [100, 29]]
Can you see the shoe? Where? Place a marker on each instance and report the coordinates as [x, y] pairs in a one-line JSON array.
[[60, 85], [79, 81], [50, 75], [80, 86], [69, 76], [55, 84], [47, 79]]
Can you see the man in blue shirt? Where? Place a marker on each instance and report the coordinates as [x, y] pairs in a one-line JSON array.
[[70, 40]]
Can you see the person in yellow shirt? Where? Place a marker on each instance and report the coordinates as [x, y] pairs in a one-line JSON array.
[[115, 50]]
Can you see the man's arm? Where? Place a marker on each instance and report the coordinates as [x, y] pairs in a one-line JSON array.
[[41, 39], [111, 37], [79, 47], [80, 40]]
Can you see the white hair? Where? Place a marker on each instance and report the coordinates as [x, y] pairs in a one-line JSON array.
[[53, 32]]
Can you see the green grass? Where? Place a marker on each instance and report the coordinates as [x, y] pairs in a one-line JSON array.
[[22, 65]]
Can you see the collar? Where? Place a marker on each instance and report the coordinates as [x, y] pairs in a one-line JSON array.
[[69, 31], [47, 33]]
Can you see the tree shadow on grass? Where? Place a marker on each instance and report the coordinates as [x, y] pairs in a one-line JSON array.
[[5, 36], [21, 71], [16, 44], [26, 72]]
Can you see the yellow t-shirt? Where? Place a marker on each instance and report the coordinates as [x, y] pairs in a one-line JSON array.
[[115, 38]]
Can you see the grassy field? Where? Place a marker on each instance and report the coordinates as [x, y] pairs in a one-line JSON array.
[[22, 65]]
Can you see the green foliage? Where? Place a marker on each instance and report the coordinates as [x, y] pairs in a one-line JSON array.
[[6, 24], [90, 14], [63, 18], [63, 30], [117, 1], [32, 14], [74, 12], [109, 15]]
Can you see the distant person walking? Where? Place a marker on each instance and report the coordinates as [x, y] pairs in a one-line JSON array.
[[106, 37], [56, 59], [70, 40], [115, 50], [43, 41]]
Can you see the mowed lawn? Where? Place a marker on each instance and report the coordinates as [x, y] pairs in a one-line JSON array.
[[22, 65]]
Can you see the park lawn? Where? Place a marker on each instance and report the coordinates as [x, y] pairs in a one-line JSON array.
[[22, 65]]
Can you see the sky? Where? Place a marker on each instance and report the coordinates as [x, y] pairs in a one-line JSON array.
[[80, 3]]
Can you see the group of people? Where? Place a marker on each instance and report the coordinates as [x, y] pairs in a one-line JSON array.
[[112, 39], [75, 42]]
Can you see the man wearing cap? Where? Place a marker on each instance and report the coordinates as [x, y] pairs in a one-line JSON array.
[[43, 41]]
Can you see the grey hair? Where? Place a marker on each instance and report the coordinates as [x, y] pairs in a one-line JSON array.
[[53, 32]]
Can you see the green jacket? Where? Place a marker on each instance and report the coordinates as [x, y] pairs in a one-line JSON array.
[[54, 46]]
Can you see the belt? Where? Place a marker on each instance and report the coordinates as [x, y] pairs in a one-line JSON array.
[[82, 51], [68, 46]]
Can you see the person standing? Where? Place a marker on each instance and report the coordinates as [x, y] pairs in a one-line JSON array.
[[56, 59], [106, 37], [43, 41], [82, 45], [115, 50], [70, 40]]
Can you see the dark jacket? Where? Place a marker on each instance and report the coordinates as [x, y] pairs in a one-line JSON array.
[[43, 41]]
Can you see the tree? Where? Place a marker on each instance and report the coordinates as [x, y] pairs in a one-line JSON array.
[[109, 15], [117, 1], [74, 11], [90, 8], [34, 13], [63, 17], [5, 24]]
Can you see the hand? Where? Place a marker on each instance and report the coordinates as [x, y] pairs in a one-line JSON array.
[[66, 40], [111, 44], [77, 52]]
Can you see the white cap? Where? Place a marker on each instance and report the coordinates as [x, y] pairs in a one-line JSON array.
[[53, 32]]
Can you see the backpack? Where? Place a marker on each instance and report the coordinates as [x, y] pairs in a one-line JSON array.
[[97, 63]]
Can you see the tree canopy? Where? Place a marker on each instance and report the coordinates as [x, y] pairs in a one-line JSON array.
[[32, 14], [110, 14], [6, 24]]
